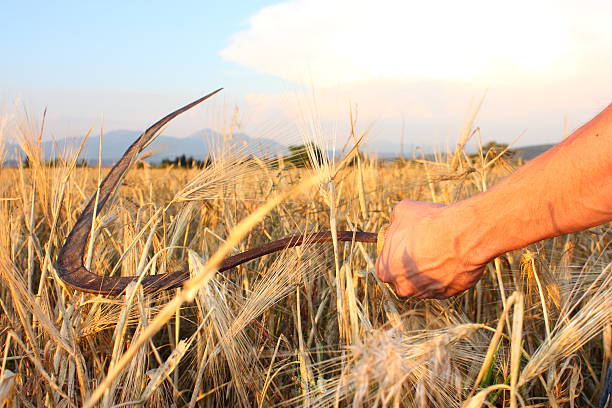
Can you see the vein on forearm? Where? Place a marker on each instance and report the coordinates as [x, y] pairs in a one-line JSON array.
[[564, 190]]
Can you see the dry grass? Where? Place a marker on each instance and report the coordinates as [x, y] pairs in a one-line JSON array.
[[312, 326]]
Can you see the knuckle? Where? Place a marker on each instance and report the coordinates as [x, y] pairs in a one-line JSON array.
[[381, 271], [402, 290], [423, 294], [399, 207]]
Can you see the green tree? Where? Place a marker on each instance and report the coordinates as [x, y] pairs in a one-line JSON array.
[[299, 155], [492, 149], [58, 162], [185, 162]]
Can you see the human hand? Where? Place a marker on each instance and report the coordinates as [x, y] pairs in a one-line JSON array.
[[426, 252]]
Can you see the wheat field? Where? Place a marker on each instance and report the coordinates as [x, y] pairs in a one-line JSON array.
[[309, 326]]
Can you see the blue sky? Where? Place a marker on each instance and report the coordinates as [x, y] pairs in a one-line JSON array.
[[117, 61], [544, 66], [134, 46]]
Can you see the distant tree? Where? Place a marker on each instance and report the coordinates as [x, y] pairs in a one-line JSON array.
[[299, 155], [493, 149], [400, 162], [185, 162], [58, 162], [362, 157]]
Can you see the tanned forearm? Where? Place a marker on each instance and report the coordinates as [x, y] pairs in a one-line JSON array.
[[435, 251], [566, 189]]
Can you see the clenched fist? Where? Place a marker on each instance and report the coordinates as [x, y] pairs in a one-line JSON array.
[[433, 251], [424, 254]]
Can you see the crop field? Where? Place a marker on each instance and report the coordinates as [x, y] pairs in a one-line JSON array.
[[309, 326]]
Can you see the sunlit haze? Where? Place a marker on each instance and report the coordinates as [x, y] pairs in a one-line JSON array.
[[407, 67]]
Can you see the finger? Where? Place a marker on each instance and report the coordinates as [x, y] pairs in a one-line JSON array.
[[402, 291], [437, 295], [425, 294], [403, 287], [450, 293], [456, 288], [464, 281], [426, 288], [396, 210], [381, 269]]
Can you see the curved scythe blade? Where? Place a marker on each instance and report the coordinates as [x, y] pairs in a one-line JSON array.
[[71, 268]]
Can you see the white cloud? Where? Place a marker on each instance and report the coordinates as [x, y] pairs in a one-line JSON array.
[[426, 59], [331, 42]]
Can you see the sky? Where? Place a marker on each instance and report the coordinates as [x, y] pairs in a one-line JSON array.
[[411, 68]]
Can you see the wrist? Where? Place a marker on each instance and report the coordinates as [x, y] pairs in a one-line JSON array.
[[473, 234]]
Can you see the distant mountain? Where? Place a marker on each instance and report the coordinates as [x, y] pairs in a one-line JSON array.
[[205, 142], [530, 152], [198, 145], [390, 150], [386, 149]]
